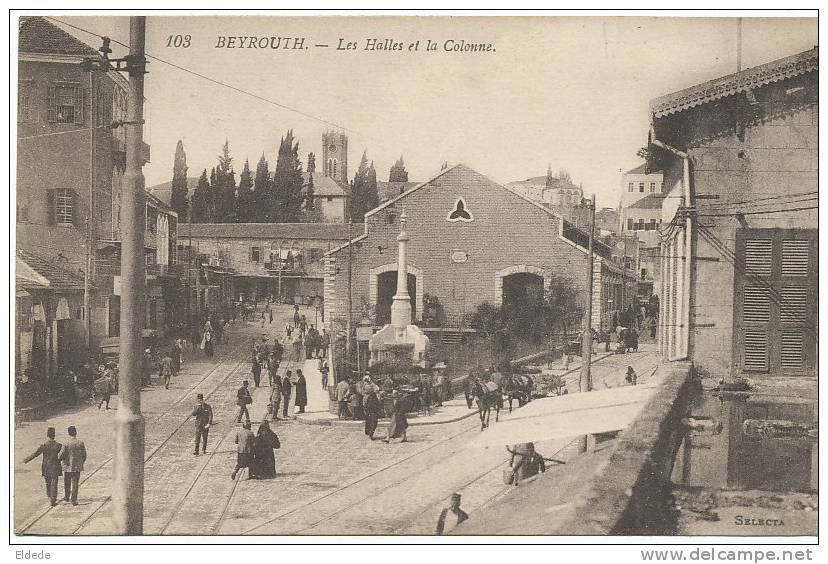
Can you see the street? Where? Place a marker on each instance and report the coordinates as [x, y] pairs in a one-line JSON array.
[[331, 478]]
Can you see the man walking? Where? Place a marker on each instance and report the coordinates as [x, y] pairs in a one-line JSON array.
[[50, 467], [244, 456], [243, 399], [275, 397], [165, 370], [451, 516], [343, 391], [203, 414], [72, 455]]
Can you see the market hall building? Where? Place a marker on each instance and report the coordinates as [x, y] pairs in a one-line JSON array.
[[471, 241]]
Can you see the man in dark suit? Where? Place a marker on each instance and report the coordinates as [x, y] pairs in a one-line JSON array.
[[203, 414], [50, 467], [243, 398], [72, 455]]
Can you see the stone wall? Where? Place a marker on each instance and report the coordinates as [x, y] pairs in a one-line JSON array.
[[627, 495]]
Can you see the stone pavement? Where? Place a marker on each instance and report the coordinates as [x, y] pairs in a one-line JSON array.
[[331, 479]]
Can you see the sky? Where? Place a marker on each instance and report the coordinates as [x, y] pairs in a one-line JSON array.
[[570, 92]]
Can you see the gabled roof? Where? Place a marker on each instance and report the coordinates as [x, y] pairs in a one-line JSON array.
[[649, 202], [568, 231], [59, 279], [37, 35], [724, 86], [327, 231], [325, 185], [388, 190]]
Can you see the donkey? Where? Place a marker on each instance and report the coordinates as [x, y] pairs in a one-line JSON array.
[[518, 387], [487, 397]]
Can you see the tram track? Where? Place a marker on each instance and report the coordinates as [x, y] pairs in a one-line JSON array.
[[168, 410]]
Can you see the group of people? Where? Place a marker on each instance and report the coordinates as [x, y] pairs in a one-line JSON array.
[[364, 400], [61, 459], [208, 334], [281, 391], [266, 358], [304, 336], [255, 452]]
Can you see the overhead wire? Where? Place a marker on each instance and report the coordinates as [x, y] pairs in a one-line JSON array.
[[773, 293], [210, 79]]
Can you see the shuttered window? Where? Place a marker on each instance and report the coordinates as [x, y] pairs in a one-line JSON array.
[[793, 305], [756, 350], [793, 350], [756, 308], [64, 203], [795, 258], [775, 313], [64, 104], [759, 256]]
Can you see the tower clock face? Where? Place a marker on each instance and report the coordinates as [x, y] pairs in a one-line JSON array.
[[332, 148]]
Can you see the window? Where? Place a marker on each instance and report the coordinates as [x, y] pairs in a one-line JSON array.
[[330, 198], [652, 187], [65, 104], [152, 219], [661, 187], [641, 187], [255, 254], [630, 225], [651, 226], [24, 102], [63, 207], [390, 219], [315, 255], [631, 187], [775, 309]]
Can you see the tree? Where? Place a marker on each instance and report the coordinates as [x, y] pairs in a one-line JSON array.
[[550, 178], [288, 180], [201, 200], [311, 163], [178, 191], [224, 189], [398, 172], [364, 196], [266, 205], [246, 199]]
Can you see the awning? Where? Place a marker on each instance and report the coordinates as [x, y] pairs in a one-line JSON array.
[[567, 416], [22, 294]]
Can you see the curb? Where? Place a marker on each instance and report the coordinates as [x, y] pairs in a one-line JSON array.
[[332, 422]]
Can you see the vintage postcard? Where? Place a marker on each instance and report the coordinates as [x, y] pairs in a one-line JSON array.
[[465, 275]]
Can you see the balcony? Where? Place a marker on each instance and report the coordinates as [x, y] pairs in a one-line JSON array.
[[285, 269]]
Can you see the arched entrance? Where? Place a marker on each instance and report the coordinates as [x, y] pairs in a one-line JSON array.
[[520, 284], [523, 288], [415, 291], [386, 288]]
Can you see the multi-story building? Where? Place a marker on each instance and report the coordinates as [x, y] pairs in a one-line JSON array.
[[239, 261], [740, 242], [70, 166], [641, 199]]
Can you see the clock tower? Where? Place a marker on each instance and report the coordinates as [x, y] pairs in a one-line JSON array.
[[335, 156]]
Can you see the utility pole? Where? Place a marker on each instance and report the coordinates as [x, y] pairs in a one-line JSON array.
[[738, 44], [585, 382], [128, 476], [350, 303], [90, 216]]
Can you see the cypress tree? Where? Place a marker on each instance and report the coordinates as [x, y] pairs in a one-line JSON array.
[[178, 190], [200, 199], [266, 206], [288, 180], [246, 199]]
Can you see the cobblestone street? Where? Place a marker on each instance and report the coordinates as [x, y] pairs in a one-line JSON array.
[[331, 478]]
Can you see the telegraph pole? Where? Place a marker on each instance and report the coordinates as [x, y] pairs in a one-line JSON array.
[[350, 304], [585, 382], [128, 477]]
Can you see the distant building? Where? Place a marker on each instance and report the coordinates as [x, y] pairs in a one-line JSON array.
[[330, 197], [70, 167], [740, 239], [256, 260], [641, 199], [471, 241], [335, 156], [558, 193]]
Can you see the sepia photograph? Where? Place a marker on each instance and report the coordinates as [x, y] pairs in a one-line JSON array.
[[414, 275]]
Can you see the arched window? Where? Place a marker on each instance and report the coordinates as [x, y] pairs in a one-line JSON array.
[[335, 163]]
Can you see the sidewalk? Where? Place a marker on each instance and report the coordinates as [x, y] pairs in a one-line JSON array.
[[316, 412]]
